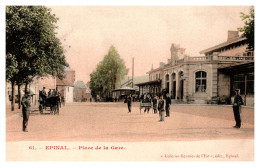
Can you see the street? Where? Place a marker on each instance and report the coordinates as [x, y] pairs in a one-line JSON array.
[[110, 122]]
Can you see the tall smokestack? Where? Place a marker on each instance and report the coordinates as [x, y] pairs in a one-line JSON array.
[[133, 72]]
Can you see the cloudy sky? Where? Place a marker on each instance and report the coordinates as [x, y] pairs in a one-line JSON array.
[[145, 33]]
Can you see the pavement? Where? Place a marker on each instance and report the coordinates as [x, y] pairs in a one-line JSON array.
[[111, 122]]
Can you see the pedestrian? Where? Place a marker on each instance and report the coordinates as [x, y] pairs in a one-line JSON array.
[[49, 93], [26, 110], [129, 103], [148, 101], [155, 104], [59, 99], [161, 108], [43, 96], [53, 92], [168, 103], [238, 101]]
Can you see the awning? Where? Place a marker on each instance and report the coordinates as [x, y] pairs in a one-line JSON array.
[[156, 82]]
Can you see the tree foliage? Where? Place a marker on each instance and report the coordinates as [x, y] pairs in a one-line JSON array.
[[32, 48], [31, 43], [248, 29], [107, 74]]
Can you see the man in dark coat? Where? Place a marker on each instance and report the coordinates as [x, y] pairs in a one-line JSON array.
[[26, 110], [43, 95], [155, 104], [168, 103], [129, 103], [161, 108], [238, 101], [49, 93]]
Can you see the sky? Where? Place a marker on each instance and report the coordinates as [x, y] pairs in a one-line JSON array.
[[143, 32]]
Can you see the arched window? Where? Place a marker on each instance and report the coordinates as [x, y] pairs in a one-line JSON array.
[[167, 77], [173, 76], [201, 81]]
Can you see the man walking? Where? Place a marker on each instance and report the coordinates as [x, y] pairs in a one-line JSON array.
[[168, 103], [26, 110], [43, 95], [129, 103], [155, 104], [161, 108], [238, 101]]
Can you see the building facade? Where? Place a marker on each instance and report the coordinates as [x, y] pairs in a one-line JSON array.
[[209, 78], [49, 82], [80, 92], [65, 86]]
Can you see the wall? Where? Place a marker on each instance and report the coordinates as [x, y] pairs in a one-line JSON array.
[[223, 84], [78, 94], [49, 82], [70, 77], [69, 94]]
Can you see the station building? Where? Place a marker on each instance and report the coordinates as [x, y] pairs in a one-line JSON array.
[[211, 78]]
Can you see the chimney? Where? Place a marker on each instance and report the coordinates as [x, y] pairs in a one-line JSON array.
[[232, 35]]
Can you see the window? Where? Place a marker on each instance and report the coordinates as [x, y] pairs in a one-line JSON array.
[[201, 81], [250, 84], [173, 76], [167, 77], [239, 83]]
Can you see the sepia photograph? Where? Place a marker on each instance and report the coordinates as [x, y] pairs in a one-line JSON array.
[[129, 83]]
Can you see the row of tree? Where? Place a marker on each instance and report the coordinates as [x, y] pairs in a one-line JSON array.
[[32, 48], [248, 30], [107, 74]]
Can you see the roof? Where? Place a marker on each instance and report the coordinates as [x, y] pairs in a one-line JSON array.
[[79, 84], [153, 70], [124, 88], [63, 82], [68, 69], [150, 82], [137, 79], [244, 66], [224, 44]]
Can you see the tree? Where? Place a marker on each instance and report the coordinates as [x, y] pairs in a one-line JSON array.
[[248, 29], [107, 74], [32, 44], [11, 71]]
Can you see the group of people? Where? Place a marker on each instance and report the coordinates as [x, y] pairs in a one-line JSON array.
[[159, 104], [163, 104]]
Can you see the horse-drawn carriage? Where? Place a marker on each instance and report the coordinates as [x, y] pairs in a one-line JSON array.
[[53, 103]]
